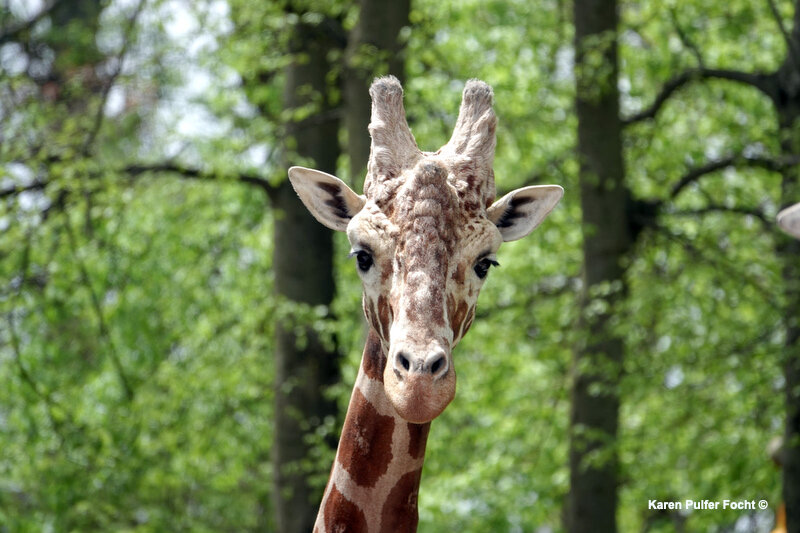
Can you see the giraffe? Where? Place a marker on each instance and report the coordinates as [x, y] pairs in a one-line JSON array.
[[424, 235]]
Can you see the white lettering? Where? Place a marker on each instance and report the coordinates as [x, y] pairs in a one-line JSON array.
[[655, 504], [701, 504], [739, 505], [744, 505]]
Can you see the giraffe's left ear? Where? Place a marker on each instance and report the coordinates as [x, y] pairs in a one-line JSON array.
[[327, 197], [519, 212]]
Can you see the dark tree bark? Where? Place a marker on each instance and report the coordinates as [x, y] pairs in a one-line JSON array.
[[788, 251], [607, 239], [303, 265], [787, 105], [374, 48]]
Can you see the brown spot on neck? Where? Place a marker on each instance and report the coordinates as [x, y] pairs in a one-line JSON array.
[[342, 515], [399, 513], [365, 449]]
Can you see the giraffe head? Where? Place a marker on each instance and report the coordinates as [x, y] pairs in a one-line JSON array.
[[424, 235]]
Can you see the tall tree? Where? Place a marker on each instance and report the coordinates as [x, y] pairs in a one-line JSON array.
[[305, 365], [606, 241]]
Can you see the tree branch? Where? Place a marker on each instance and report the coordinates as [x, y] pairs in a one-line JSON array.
[[17, 189], [100, 113], [733, 161], [24, 374], [761, 81], [39, 391], [791, 48], [97, 307], [687, 42], [715, 208], [138, 169]]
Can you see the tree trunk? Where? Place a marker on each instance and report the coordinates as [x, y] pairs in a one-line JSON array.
[[374, 48], [787, 106], [303, 265], [788, 251], [607, 239], [789, 254]]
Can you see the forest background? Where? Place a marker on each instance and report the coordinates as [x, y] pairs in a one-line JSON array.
[[178, 339]]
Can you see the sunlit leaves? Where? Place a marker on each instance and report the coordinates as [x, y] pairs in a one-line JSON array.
[[179, 272]]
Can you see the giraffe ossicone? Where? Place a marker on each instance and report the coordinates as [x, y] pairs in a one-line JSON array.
[[424, 235]]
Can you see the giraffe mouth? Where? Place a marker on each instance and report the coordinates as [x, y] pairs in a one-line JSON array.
[[419, 397]]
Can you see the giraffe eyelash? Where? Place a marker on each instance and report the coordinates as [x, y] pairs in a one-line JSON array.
[[483, 264], [363, 259]]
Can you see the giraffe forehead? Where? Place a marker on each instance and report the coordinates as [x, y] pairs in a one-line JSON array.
[[427, 193], [457, 182]]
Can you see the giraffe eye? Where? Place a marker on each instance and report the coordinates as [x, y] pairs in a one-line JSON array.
[[482, 266], [363, 260]]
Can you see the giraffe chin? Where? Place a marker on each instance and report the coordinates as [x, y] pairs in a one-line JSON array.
[[419, 398]]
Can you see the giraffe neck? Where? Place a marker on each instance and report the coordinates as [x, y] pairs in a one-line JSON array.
[[375, 477]]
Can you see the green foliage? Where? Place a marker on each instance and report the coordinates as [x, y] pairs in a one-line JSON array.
[[137, 311]]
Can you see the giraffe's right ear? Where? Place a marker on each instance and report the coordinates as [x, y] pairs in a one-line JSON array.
[[327, 197]]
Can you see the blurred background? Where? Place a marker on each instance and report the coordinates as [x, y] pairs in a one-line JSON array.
[[178, 339]]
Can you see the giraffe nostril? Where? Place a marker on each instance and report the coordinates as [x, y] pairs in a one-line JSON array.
[[438, 365], [403, 360]]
